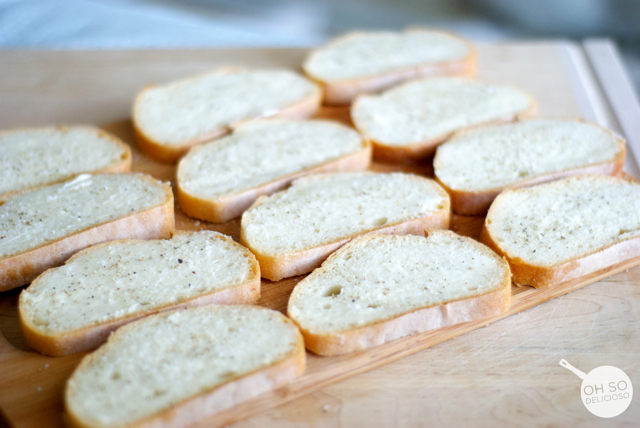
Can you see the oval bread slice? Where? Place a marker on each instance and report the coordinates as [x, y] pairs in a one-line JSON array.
[[379, 288], [76, 306], [35, 157], [371, 61], [170, 119], [565, 229], [410, 120], [475, 166], [175, 368], [293, 231], [43, 228], [220, 180]]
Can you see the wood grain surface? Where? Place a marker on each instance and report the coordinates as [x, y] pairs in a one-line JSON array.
[[505, 374]]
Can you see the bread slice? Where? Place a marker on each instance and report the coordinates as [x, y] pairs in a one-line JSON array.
[[565, 229], [43, 228], [75, 307], [292, 232], [362, 62], [409, 121], [220, 180], [379, 288], [175, 368], [170, 119], [475, 166], [36, 157]]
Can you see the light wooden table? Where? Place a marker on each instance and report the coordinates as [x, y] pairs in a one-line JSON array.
[[505, 374]]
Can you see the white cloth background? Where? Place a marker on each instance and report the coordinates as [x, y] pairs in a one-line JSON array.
[[137, 24]]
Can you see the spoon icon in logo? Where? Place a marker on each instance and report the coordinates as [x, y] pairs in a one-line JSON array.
[[606, 391]]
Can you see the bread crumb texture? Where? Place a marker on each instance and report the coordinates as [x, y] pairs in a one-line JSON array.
[[34, 157], [126, 278], [428, 109], [557, 222], [31, 219], [361, 55], [379, 277], [166, 359], [326, 208], [183, 111], [261, 151], [497, 156]]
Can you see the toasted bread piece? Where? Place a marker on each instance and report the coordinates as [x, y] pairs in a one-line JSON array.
[[475, 166], [378, 288], [565, 229], [36, 157], [409, 121], [175, 368], [76, 306], [170, 119], [220, 180], [292, 232], [43, 228], [365, 62]]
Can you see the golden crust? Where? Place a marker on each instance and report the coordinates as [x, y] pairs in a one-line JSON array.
[[343, 92], [233, 392], [278, 266], [156, 222], [124, 165], [91, 337], [416, 321], [232, 206], [543, 276], [172, 153], [478, 202]]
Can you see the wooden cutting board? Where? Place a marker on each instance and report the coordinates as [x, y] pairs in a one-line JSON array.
[[38, 88]]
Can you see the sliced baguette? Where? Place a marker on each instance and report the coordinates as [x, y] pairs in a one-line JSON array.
[[170, 119], [220, 180], [175, 368], [409, 121], [475, 166], [43, 228], [36, 157], [75, 307], [292, 232], [363, 62], [565, 229], [379, 288]]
